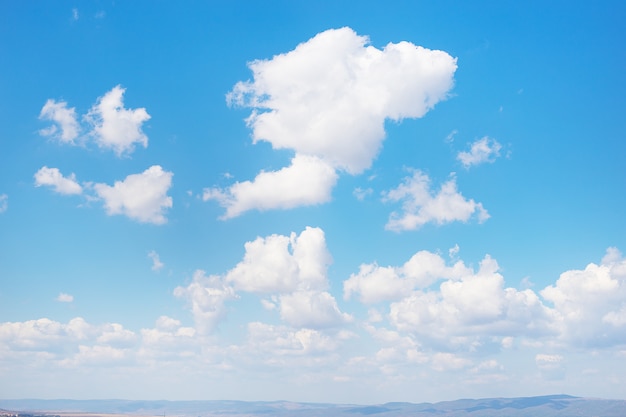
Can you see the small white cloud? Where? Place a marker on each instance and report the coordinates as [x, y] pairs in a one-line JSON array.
[[52, 177], [116, 127], [421, 206], [451, 136], [142, 197], [64, 119], [483, 150], [307, 181], [75, 15], [65, 298], [157, 265], [453, 252], [328, 99], [4, 203], [361, 193]]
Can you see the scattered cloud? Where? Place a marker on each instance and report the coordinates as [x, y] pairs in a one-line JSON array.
[[75, 15], [4, 203], [142, 197], [481, 151], [328, 99], [116, 127], [65, 298], [65, 128], [157, 265], [52, 177], [421, 206]]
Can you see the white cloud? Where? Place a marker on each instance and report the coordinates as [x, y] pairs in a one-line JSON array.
[[65, 298], [116, 127], [75, 15], [207, 296], [550, 366], [361, 193], [294, 267], [591, 302], [157, 265], [329, 98], [4, 203], [483, 150], [141, 197], [311, 309], [282, 264], [53, 178], [281, 341], [307, 181], [64, 119], [375, 284], [421, 206]]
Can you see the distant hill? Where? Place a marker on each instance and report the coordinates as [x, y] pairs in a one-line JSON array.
[[545, 406]]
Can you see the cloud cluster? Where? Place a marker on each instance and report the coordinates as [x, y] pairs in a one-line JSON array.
[[420, 205], [427, 316], [142, 197], [108, 122], [327, 100], [290, 270]]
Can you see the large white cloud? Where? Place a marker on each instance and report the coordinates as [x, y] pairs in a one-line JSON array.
[[481, 151], [141, 197], [592, 302], [64, 119], [307, 181], [421, 206], [52, 177], [116, 127], [329, 98]]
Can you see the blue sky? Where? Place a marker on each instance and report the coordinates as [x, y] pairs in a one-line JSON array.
[[312, 201]]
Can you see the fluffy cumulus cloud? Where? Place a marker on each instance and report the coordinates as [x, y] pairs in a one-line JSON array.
[[483, 150], [52, 177], [116, 127], [108, 123], [307, 181], [66, 127], [591, 303], [206, 296], [328, 99], [142, 197], [289, 272], [294, 268], [420, 205], [4, 203]]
